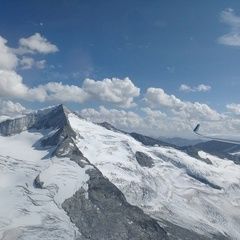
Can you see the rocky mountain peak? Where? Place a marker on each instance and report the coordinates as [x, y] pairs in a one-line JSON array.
[[54, 117]]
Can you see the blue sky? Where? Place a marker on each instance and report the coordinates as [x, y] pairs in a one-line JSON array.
[[156, 44]]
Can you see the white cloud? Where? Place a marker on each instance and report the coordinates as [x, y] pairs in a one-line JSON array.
[[119, 118], [11, 109], [117, 91], [157, 123], [185, 88], [59, 92], [203, 88], [120, 92], [11, 85], [156, 97], [36, 44], [232, 38], [234, 108], [8, 60], [28, 63], [199, 88], [9, 57]]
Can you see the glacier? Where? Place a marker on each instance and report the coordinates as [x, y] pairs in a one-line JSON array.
[[63, 177]]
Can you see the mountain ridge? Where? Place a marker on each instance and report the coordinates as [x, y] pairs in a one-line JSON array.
[[64, 146], [97, 175]]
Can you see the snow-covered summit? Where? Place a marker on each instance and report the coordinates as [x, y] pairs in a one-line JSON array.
[[63, 177]]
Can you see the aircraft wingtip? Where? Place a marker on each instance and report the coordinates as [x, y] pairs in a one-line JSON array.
[[196, 128]]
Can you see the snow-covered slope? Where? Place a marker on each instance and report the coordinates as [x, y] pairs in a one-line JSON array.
[[62, 177], [25, 210], [183, 190]]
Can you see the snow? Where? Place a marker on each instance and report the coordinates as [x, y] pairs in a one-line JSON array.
[[181, 189], [23, 145], [28, 212], [170, 190], [64, 177]]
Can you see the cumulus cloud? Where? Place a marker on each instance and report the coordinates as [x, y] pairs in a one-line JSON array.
[[156, 97], [120, 92], [119, 118], [58, 92], [199, 88], [232, 38], [8, 60], [11, 85], [36, 44], [117, 91]]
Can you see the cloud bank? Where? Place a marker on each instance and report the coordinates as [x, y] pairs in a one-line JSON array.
[[158, 113]]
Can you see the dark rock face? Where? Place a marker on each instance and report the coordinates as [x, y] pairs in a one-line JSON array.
[[148, 141], [10, 127], [49, 118], [109, 126], [202, 179], [103, 213], [144, 160]]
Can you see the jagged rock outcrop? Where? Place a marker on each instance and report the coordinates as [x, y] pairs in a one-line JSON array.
[[48, 118], [149, 141], [104, 213], [144, 160]]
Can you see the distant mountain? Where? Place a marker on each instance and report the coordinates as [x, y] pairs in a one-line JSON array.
[[146, 140], [149, 141], [180, 142], [110, 127], [63, 177], [220, 149]]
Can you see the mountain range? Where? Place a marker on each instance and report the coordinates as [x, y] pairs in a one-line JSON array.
[[63, 177]]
